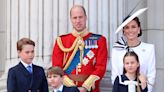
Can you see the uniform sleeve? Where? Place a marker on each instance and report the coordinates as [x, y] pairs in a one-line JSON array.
[[116, 85], [151, 69], [101, 58], [57, 56], [11, 81], [100, 65], [114, 65]]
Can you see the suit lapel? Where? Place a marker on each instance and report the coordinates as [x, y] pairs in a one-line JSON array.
[[35, 72], [64, 89], [23, 69], [25, 75]]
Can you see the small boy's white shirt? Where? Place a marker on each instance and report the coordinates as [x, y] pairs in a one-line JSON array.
[[60, 89]]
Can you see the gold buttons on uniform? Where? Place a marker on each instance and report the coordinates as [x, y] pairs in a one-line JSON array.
[[79, 67]]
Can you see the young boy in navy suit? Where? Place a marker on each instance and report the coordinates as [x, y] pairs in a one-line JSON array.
[[55, 80], [25, 76]]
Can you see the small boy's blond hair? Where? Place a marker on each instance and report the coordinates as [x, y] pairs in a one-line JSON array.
[[55, 70]]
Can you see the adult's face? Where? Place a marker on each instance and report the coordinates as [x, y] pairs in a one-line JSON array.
[[131, 30], [78, 18]]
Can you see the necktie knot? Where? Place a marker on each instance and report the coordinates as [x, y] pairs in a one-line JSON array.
[[29, 68]]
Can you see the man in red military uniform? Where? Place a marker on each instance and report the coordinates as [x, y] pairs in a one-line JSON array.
[[81, 54]]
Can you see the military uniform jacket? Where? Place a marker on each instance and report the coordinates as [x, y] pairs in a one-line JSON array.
[[94, 60]]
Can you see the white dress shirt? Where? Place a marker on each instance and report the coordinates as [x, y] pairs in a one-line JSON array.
[[60, 88], [26, 65]]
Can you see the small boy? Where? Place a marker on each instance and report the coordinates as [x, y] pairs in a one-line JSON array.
[[25, 76], [55, 80]]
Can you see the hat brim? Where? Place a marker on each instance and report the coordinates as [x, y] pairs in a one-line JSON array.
[[137, 13]]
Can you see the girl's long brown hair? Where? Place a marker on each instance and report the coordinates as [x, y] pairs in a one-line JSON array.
[[133, 54]]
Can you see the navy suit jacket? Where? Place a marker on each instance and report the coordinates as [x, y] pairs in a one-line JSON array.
[[20, 80], [70, 89]]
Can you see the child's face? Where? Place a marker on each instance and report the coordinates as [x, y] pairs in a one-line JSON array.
[[27, 53], [55, 81], [130, 64]]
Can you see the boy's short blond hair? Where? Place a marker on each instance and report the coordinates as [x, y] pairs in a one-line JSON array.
[[55, 70]]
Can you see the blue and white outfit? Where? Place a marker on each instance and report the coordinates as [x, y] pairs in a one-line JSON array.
[[146, 54]]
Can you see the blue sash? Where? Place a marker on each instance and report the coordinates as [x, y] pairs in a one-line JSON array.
[[76, 58]]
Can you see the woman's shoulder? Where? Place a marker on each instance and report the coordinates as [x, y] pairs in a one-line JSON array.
[[147, 45]]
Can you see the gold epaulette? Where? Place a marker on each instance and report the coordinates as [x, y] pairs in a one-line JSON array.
[[90, 82]]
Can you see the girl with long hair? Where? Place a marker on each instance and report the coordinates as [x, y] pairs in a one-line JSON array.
[[131, 80]]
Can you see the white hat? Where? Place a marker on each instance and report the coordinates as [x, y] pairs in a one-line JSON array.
[[137, 13]]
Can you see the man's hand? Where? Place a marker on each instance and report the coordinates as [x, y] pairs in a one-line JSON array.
[[82, 89]]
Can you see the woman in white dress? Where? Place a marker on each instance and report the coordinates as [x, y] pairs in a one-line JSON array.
[[131, 41]]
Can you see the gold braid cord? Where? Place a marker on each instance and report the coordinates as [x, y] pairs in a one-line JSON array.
[[78, 43], [90, 82], [66, 49]]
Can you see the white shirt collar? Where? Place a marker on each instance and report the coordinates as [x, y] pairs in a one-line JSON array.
[[60, 88], [24, 64]]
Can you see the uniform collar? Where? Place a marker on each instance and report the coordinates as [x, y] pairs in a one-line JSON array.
[[81, 34]]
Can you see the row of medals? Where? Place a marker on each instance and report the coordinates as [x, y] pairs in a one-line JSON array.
[[89, 44]]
